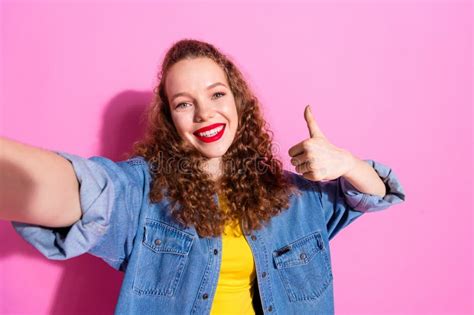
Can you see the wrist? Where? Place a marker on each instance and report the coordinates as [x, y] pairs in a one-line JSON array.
[[353, 164]]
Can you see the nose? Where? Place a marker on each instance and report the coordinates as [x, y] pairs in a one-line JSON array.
[[203, 113]]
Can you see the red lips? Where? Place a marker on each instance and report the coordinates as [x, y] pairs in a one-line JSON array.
[[215, 137], [203, 129]]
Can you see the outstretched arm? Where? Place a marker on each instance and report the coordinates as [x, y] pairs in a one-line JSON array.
[[37, 186]]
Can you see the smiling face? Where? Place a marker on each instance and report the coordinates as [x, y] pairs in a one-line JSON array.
[[202, 105]]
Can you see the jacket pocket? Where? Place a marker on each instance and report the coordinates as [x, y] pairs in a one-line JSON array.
[[304, 267], [162, 256]]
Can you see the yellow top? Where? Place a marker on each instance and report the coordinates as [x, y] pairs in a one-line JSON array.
[[234, 288]]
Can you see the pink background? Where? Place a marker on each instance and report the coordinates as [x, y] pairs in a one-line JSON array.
[[389, 81]]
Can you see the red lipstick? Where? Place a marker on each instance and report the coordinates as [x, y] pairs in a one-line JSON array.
[[212, 138]]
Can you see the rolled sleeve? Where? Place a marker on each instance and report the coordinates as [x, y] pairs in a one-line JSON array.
[[110, 198], [342, 203], [366, 202]]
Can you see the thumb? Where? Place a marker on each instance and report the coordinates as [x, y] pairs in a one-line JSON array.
[[313, 127]]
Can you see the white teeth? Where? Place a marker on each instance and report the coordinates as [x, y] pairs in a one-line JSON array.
[[211, 132]]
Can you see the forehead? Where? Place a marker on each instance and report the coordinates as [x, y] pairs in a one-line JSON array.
[[193, 74]]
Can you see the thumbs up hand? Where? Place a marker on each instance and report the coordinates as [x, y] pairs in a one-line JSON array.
[[316, 158]]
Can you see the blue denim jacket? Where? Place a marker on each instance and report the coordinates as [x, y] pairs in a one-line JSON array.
[[171, 270]]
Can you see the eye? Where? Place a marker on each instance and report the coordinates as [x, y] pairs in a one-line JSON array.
[[182, 105], [218, 93]]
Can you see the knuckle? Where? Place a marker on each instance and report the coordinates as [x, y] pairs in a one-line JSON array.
[[313, 141]]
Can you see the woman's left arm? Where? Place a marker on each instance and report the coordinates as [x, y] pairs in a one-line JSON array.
[[365, 179]]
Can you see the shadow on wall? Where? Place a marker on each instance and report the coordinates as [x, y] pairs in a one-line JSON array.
[[123, 123], [88, 285]]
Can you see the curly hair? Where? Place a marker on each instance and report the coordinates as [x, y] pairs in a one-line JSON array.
[[253, 182]]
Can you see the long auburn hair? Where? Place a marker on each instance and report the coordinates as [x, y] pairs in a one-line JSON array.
[[253, 181]]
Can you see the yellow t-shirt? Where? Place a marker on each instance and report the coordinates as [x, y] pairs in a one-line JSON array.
[[234, 288]]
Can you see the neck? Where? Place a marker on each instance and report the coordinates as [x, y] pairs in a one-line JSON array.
[[213, 167]]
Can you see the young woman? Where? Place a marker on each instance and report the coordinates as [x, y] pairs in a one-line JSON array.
[[202, 217]]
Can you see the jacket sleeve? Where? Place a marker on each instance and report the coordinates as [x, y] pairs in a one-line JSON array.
[[342, 203], [111, 196]]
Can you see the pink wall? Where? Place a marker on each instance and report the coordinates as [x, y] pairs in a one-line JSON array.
[[390, 81]]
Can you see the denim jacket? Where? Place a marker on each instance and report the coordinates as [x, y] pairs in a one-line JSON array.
[[171, 270]]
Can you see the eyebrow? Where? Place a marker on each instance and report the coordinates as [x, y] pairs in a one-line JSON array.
[[208, 88]]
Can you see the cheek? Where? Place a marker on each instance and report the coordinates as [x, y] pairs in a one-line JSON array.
[[235, 117], [231, 111], [180, 123]]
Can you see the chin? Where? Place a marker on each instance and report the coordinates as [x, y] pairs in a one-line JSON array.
[[213, 154], [212, 150]]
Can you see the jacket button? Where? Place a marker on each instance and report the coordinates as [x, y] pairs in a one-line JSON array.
[[270, 308], [264, 274], [157, 242], [253, 237], [302, 255], [205, 296], [215, 251]]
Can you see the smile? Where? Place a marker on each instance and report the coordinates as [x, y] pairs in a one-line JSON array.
[[210, 133]]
